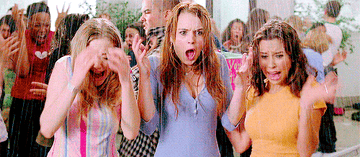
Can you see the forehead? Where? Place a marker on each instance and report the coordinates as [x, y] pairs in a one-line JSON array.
[[189, 20], [131, 31], [271, 46], [40, 17], [148, 5]]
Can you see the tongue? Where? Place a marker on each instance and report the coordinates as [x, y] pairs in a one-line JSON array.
[[190, 54]]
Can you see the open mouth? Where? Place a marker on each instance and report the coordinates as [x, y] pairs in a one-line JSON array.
[[274, 76], [98, 74], [190, 54]]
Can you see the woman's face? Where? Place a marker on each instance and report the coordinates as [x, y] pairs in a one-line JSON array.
[[100, 70], [236, 31], [39, 27], [189, 38], [129, 36], [275, 63], [5, 30]]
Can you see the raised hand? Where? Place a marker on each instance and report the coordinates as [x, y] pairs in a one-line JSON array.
[[141, 57], [61, 14], [119, 62], [242, 79], [39, 88], [326, 91], [83, 62], [18, 16]]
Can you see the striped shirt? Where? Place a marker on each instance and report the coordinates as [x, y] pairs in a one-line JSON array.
[[93, 137]]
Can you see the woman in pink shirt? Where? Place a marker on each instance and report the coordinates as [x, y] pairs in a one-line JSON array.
[[90, 94]]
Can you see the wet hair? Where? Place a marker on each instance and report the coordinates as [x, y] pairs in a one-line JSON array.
[[109, 92], [208, 63], [37, 8], [67, 29], [257, 18], [226, 35], [8, 20], [332, 8], [287, 35]]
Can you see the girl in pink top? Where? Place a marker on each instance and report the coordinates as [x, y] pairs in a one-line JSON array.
[[90, 94]]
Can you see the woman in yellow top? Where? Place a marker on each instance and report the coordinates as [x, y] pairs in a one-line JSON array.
[[280, 106]]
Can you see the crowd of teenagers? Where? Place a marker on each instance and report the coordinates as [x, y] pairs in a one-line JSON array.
[[166, 87]]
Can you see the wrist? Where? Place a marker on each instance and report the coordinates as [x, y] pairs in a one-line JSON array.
[[72, 88]]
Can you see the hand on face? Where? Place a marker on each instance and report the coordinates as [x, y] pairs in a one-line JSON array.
[[325, 91], [9, 46], [84, 61], [242, 79], [119, 62]]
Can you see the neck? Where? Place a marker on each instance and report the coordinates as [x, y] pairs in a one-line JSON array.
[[275, 88], [330, 19]]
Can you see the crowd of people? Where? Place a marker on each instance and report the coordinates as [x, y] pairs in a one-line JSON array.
[[166, 87]]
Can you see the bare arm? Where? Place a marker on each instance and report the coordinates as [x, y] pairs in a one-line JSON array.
[[239, 138], [145, 97], [130, 115], [310, 117], [62, 91]]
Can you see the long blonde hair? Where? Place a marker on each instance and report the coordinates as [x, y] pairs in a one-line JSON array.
[[171, 73], [110, 91]]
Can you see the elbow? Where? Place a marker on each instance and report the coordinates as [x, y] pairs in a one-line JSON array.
[[240, 148], [46, 132]]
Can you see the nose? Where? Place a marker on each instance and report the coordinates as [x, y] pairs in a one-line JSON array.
[[98, 63], [142, 18], [191, 38], [271, 63]]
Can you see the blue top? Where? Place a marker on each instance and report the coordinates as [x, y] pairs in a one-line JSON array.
[[193, 132], [315, 60]]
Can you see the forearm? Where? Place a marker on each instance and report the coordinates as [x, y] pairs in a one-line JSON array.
[[145, 100], [239, 138], [237, 108], [55, 111], [309, 125], [130, 115]]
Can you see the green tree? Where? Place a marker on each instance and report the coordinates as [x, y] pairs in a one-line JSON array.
[[119, 12]]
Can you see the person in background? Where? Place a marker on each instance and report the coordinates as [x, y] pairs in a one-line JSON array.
[[90, 95], [155, 14], [257, 18], [29, 63], [130, 32], [296, 22], [314, 44], [7, 27], [232, 35], [279, 103], [331, 57]]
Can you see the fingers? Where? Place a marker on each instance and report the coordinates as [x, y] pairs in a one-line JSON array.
[[57, 10], [39, 85], [67, 10], [38, 92]]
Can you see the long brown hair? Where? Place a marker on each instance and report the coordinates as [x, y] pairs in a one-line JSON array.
[[109, 92], [298, 71], [171, 73]]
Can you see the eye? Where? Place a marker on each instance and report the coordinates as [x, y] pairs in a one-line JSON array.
[[147, 12], [199, 32], [279, 56], [182, 32], [263, 56]]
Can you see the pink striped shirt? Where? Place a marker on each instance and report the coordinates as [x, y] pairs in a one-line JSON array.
[[76, 138]]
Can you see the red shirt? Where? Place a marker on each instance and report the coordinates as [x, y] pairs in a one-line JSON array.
[[38, 56]]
